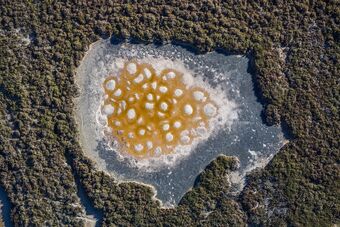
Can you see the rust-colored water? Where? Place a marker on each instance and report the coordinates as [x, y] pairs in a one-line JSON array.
[[150, 114]]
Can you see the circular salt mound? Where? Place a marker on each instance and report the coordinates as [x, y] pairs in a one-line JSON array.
[[238, 129]]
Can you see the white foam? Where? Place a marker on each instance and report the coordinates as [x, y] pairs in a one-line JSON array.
[[178, 92], [177, 124], [209, 110], [118, 123], [139, 147], [111, 85], [169, 137], [145, 86], [118, 92], [122, 104], [149, 97], [131, 114], [108, 109], [139, 78], [149, 144], [188, 109], [119, 111], [158, 150], [131, 68], [154, 85], [166, 127], [201, 131], [149, 106], [163, 89], [170, 75], [164, 106], [199, 96], [147, 73], [142, 132], [185, 139], [140, 120], [160, 114], [188, 79]]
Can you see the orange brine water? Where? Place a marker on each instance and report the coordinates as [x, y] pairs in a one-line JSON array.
[[152, 114]]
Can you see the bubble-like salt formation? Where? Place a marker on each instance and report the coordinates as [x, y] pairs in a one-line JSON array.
[[237, 129]]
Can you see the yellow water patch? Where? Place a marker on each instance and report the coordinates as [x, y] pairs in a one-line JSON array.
[[151, 114]]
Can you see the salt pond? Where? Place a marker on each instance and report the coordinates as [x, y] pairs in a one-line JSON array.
[[242, 134]]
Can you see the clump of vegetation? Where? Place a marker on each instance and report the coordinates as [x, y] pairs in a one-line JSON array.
[[294, 48]]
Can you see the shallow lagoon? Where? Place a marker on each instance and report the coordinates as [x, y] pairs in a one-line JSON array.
[[246, 137]]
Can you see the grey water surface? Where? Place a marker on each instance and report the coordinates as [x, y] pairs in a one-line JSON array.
[[248, 138], [5, 208]]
